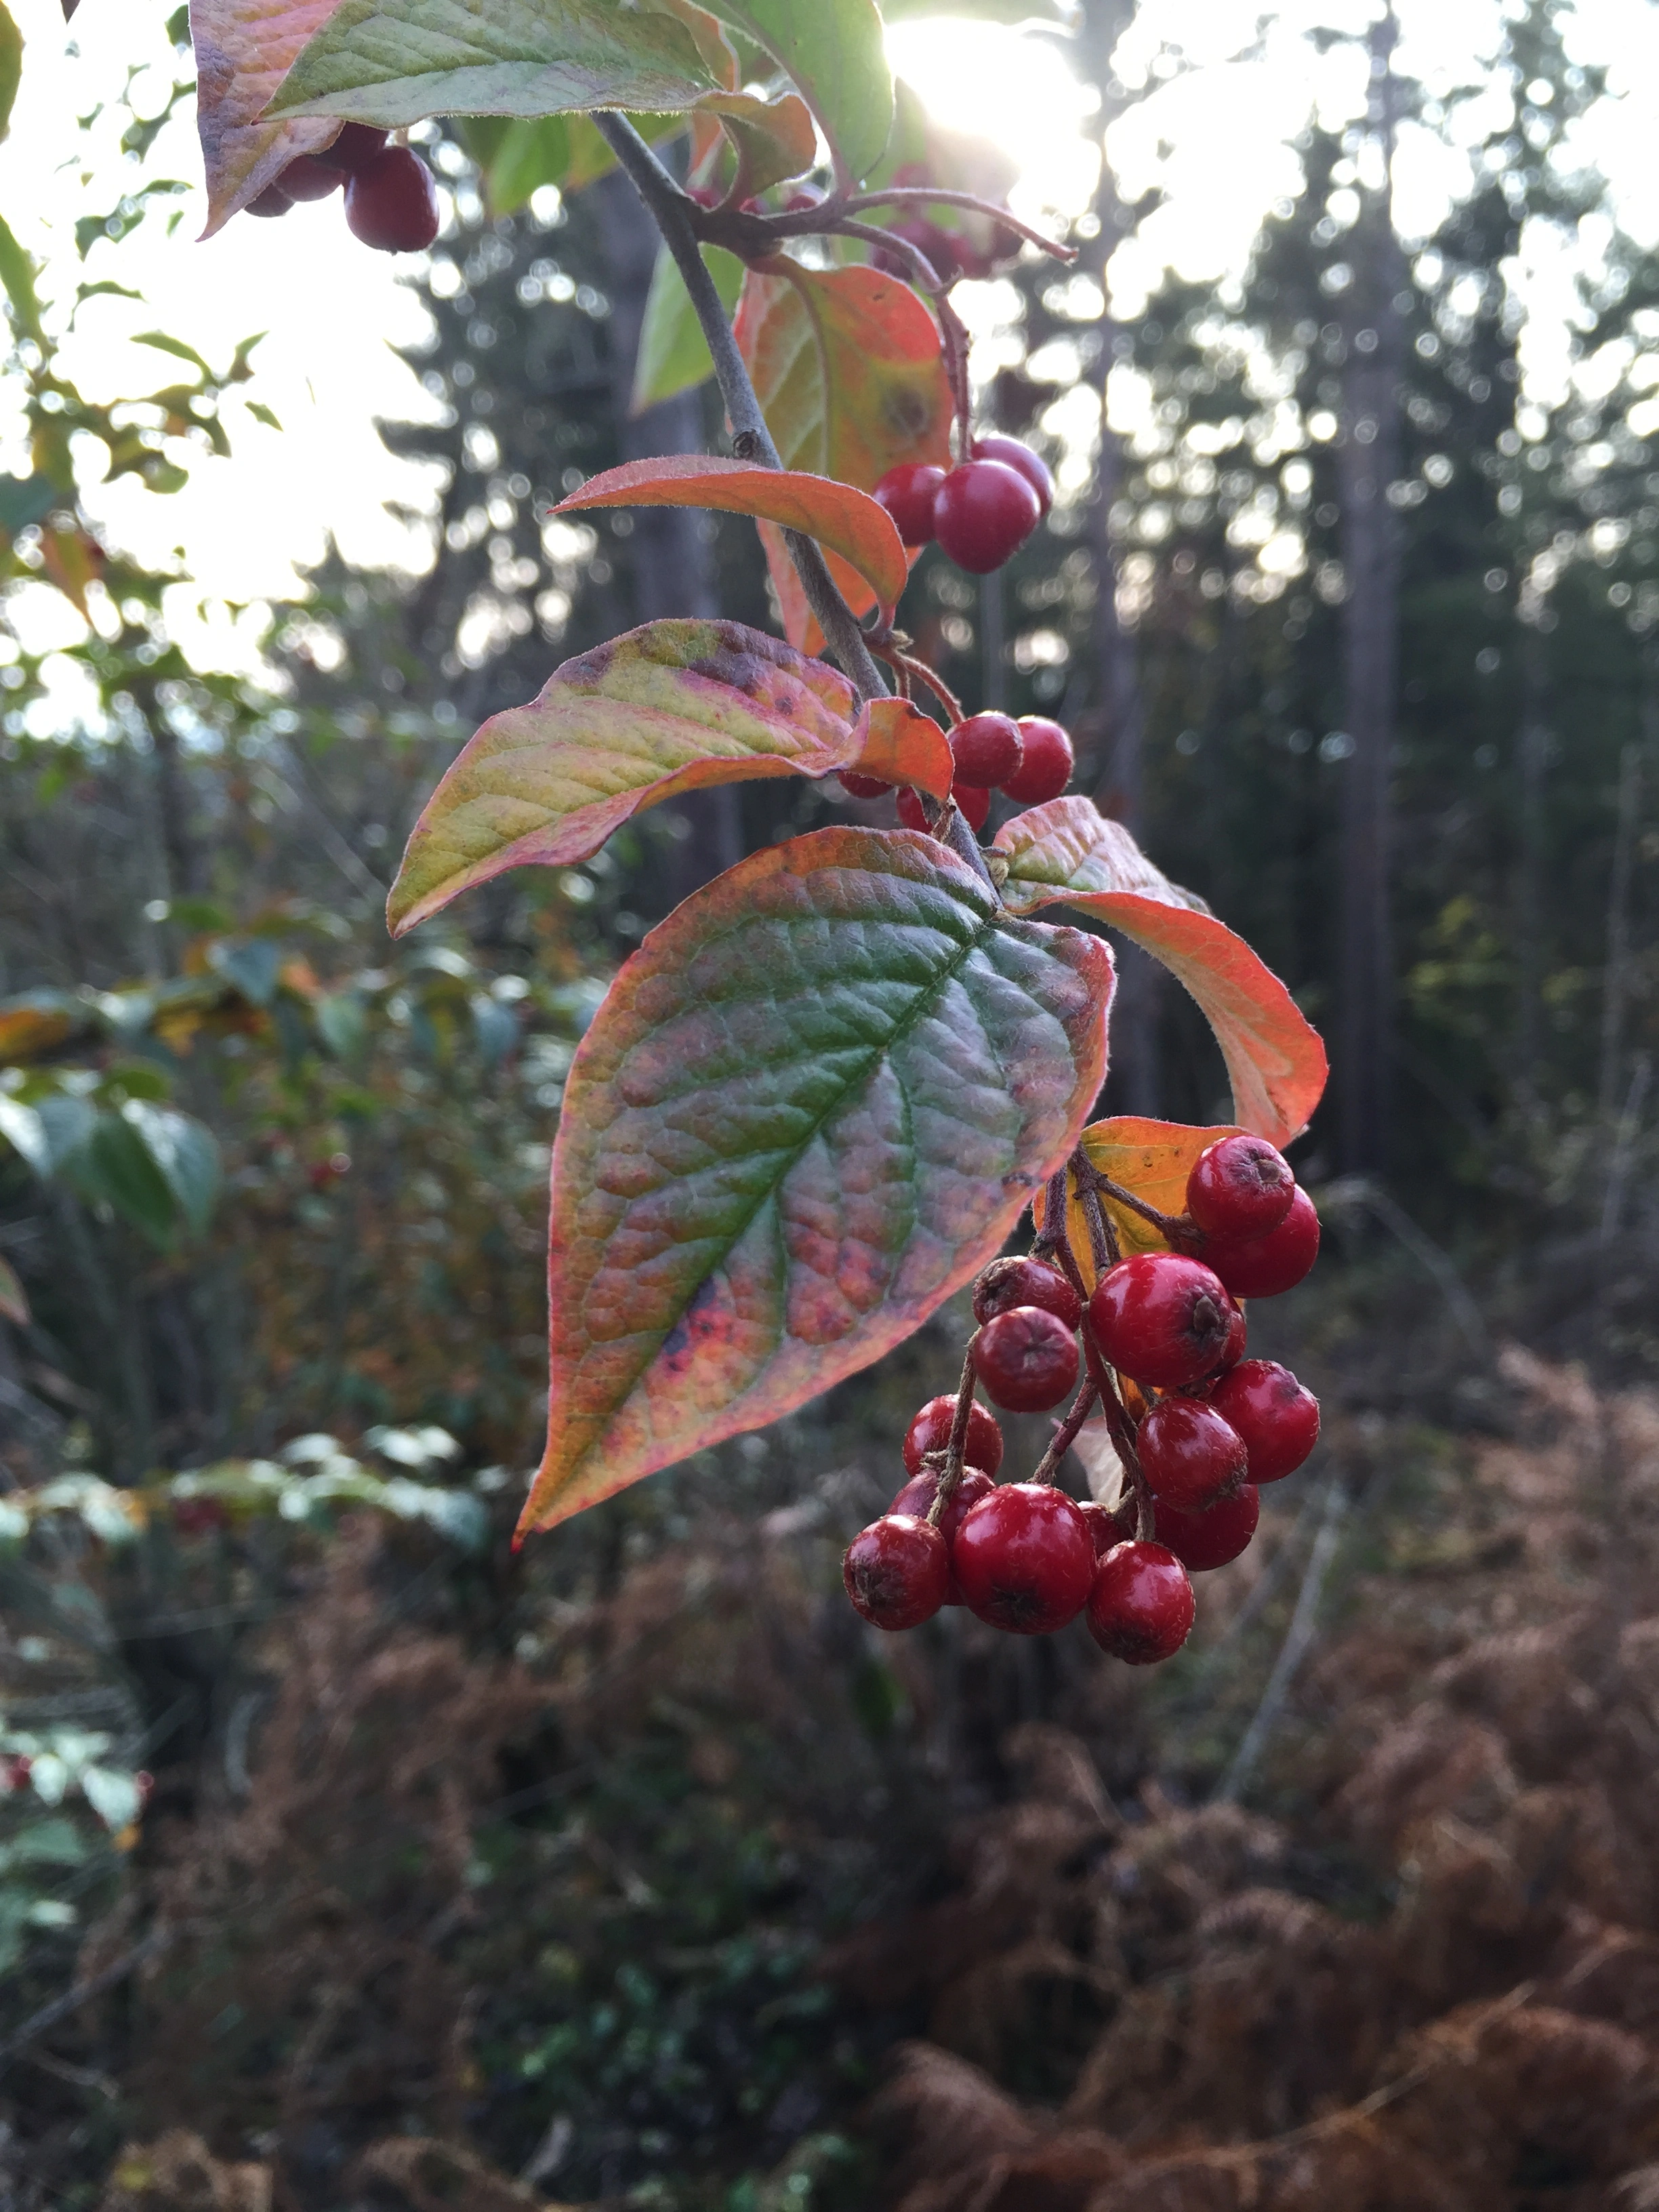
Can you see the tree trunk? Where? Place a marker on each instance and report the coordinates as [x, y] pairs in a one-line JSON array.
[[673, 573], [1121, 710], [1369, 461]]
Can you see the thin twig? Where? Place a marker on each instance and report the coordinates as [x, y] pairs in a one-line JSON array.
[[925, 196], [1297, 1637], [83, 1992], [671, 209], [910, 664], [1065, 1434], [950, 1473]]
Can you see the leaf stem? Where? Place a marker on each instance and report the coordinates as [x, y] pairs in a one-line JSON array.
[[1066, 1435], [950, 1473], [671, 210], [1180, 1229]]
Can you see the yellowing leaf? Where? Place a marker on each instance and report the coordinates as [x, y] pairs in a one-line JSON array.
[[244, 49], [1068, 854], [1152, 1159], [812, 1106], [847, 369], [843, 521], [673, 707]]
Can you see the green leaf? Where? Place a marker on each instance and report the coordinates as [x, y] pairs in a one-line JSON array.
[[835, 52], [24, 500], [176, 347], [17, 275], [252, 964], [261, 413], [11, 66], [393, 61], [516, 158], [116, 1167], [673, 354], [14, 1300], [186, 1153], [1068, 854], [811, 1106]]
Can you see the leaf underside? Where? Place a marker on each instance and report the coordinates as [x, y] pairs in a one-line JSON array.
[[812, 1106], [1067, 854], [243, 51]]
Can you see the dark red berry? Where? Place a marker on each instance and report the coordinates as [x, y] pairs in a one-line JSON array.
[[1161, 1317], [306, 179], [983, 513], [986, 749], [973, 804], [863, 786], [357, 146], [1240, 1187], [1267, 1265], [908, 493], [916, 1498], [1046, 765], [1103, 1526], [272, 201], [1019, 1280], [930, 1432], [1024, 1558], [896, 1572], [1190, 1455], [195, 1516], [994, 446], [1027, 1359], [392, 203], [1213, 1538], [1140, 1608], [1277, 1418]]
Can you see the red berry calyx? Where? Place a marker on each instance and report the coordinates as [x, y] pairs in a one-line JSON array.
[[1239, 1188]]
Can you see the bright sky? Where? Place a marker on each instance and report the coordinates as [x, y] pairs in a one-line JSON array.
[[1221, 101]]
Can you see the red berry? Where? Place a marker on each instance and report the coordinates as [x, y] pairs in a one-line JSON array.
[[1277, 1418], [393, 205], [1140, 1608], [987, 749], [1027, 1359], [1267, 1265], [1046, 768], [1103, 1526], [1213, 1538], [916, 1498], [863, 786], [1019, 1280], [272, 201], [306, 179], [937, 248], [896, 1572], [1012, 455], [908, 493], [1240, 1187], [15, 1770], [1190, 1455], [1024, 1558], [1162, 1318], [930, 1432], [983, 513], [973, 804], [195, 1517], [355, 148]]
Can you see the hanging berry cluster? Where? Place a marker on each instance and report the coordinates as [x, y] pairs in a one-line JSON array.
[[981, 510], [391, 201], [1196, 1426]]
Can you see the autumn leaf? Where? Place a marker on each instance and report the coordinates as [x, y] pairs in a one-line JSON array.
[[901, 744], [835, 53], [1150, 1158], [244, 49], [848, 367], [843, 521], [1068, 854], [673, 707], [812, 1106]]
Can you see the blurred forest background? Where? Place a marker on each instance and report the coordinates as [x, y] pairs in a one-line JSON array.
[[347, 1859]]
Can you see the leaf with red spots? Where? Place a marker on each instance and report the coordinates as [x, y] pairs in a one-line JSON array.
[[811, 1106], [1068, 854], [1152, 1159], [673, 707], [847, 366], [844, 520]]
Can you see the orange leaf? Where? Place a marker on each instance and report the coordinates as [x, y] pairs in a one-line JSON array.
[[244, 49], [844, 520], [847, 366], [812, 1105], [901, 744], [1152, 1159], [1067, 854]]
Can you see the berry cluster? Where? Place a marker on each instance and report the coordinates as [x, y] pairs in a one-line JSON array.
[[1197, 1426], [391, 201], [1028, 761], [981, 511]]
